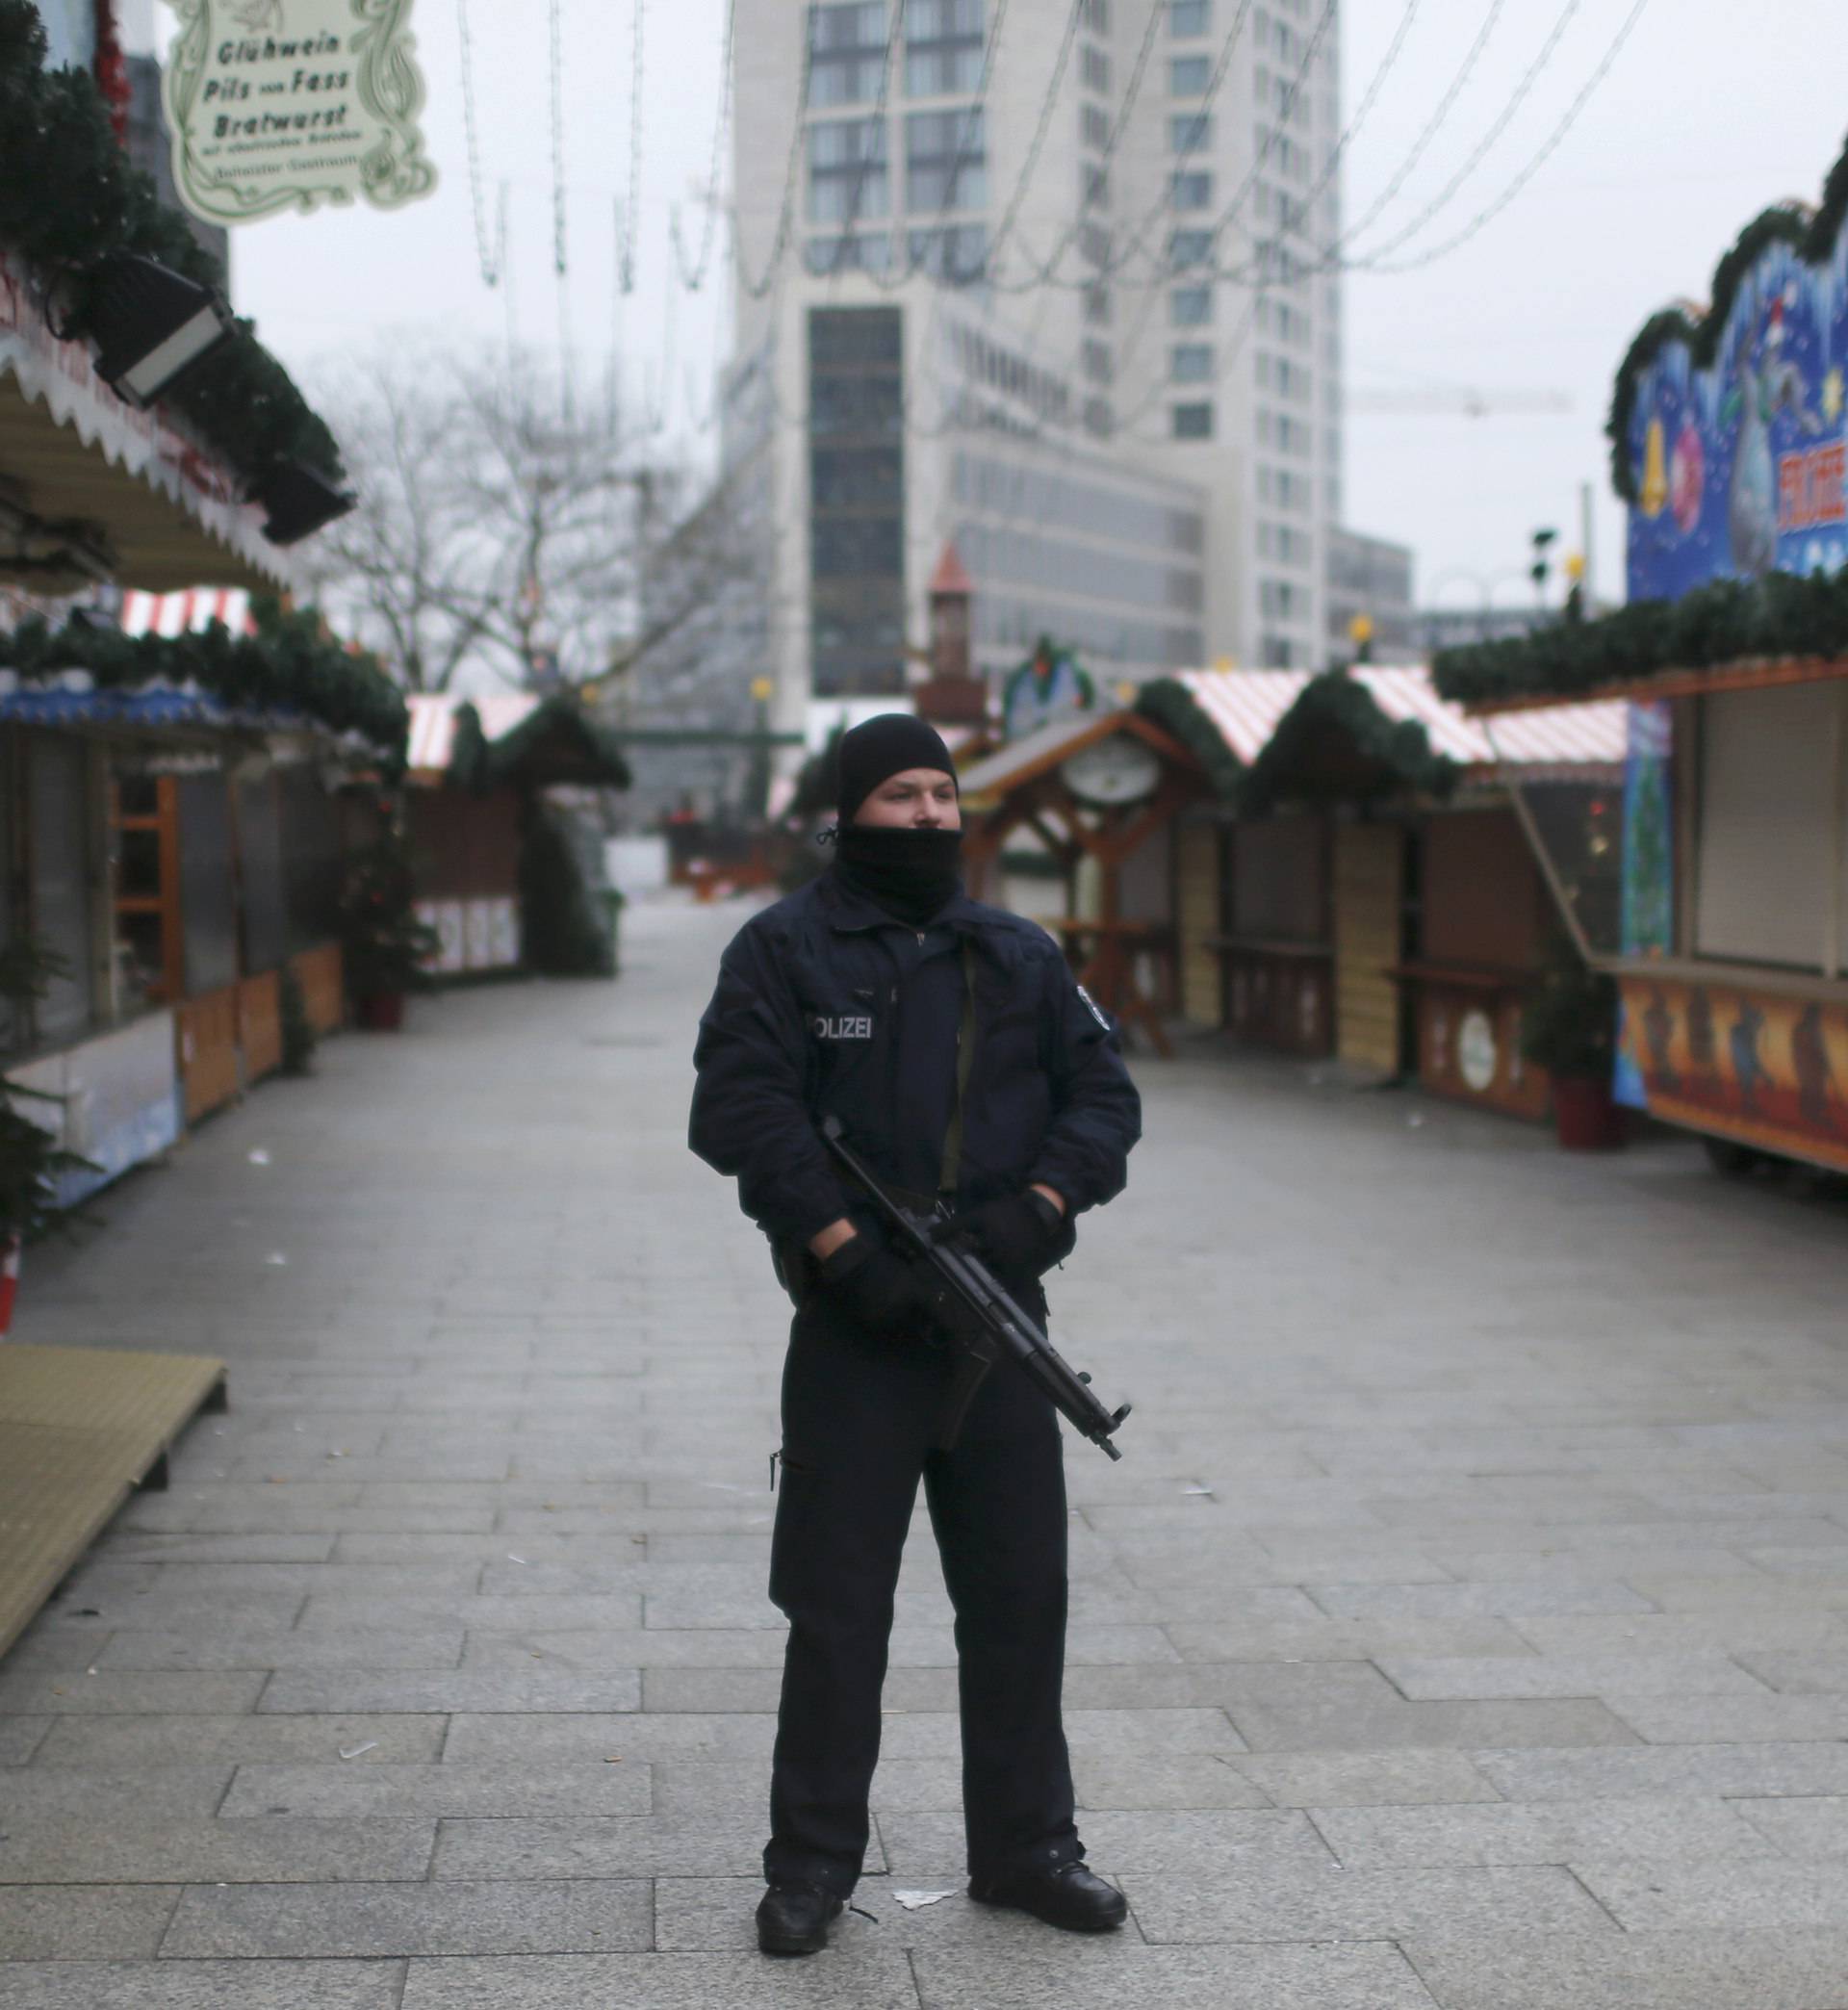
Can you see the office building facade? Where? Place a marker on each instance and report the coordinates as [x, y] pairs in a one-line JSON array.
[[1050, 294]]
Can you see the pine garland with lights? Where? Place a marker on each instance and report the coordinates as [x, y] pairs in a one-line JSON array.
[[1726, 621], [1385, 754], [70, 198], [290, 665]]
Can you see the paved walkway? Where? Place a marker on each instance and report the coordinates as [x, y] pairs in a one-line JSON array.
[[1466, 1625]]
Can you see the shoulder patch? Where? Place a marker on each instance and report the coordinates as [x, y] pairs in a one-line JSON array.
[[1096, 1012]]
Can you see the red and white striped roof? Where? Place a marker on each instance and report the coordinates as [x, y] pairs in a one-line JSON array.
[[431, 745], [1247, 705], [188, 612]]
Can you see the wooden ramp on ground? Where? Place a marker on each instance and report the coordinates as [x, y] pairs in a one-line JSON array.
[[81, 1428]]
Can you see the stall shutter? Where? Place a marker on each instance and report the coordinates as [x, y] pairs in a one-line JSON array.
[[57, 790], [1277, 890], [1768, 818], [208, 908], [1196, 894], [1369, 868], [266, 925]]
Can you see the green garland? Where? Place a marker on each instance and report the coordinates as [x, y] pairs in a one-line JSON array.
[[1725, 621], [290, 665], [69, 197], [481, 764], [1809, 233], [1165, 702], [1398, 751]]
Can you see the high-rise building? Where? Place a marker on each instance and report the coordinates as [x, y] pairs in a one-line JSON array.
[[1050, 294]]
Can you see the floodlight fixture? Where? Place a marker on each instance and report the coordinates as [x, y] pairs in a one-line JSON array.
[[151, 324], [299, 501]]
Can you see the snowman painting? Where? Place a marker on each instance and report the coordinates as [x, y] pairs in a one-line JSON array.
[[1774, 385]]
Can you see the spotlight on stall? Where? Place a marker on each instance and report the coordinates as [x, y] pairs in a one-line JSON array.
[[152, 325]]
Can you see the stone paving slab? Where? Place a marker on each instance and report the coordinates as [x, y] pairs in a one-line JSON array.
[[128, 1850], [329, 1691], [1699, 1970], [1746, 1771], [1143, 1842], [155, 1793], [1406, 1778], [448, 1790], [875, 1980], [1378, 1723], [1550, 1832], [201, 1985], [1365, 1977], [370, 1920], [1691, 1674], [1301, 1902], [1741, 1897], [92, 1922], [98, 1743], [621, 1846], [372, 1649], [115, 1692]]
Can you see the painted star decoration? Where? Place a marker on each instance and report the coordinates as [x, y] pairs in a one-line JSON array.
[[1832, 394]]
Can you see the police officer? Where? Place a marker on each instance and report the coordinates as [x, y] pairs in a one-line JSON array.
[[950, 1040]]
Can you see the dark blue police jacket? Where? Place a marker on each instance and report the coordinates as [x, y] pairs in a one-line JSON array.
[[827, 1006]]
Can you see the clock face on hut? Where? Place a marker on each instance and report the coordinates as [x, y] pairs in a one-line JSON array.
[[1112, 772]]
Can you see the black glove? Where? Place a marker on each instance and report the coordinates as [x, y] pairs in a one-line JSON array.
[[876, 1289], [1022, 1235]]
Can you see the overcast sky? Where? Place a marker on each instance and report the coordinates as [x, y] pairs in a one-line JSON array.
[[1710, 110]]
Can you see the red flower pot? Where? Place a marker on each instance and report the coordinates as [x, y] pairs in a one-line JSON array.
[[382, 1012], [1585, 1115]]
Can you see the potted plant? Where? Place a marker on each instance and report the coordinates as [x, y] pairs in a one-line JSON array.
[[1568, 1028], [32, 1158], [385, 949]]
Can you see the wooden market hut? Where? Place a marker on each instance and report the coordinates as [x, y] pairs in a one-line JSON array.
[[1101, 792], [475, 769], [1372, 893], [173, 826]]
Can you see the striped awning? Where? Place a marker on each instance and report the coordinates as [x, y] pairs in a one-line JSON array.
[[431, 745], [188, 612], [1247, 705]]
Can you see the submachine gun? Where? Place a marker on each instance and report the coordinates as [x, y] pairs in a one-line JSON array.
[[971, 1303]]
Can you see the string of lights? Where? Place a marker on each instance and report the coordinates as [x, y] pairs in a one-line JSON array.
[[1046, 269], [637, 98], [1480, 150], [759, 287], [491, 266], [1415, 153], [1487, 215], [694, 279]]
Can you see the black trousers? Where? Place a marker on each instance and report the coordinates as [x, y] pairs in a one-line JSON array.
[[859, 1419]]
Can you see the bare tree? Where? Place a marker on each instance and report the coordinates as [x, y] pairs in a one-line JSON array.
[[500, 524]]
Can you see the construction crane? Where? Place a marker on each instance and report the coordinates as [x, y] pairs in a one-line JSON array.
[[1463, 400]]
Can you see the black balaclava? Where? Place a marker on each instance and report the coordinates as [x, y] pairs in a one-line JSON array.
[[912, 873]]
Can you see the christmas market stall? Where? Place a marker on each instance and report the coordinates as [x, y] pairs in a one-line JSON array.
[[505, 859], [170, 826], [1363, 882], [1099, 793], [1731, 946]]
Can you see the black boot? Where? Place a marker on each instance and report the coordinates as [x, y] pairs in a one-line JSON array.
[[793, 1919], [1067, 1895]]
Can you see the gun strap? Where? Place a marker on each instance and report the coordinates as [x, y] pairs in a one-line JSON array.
[[952, 1168]]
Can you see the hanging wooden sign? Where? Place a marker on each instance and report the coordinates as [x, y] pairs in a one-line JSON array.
[[289, 104]]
